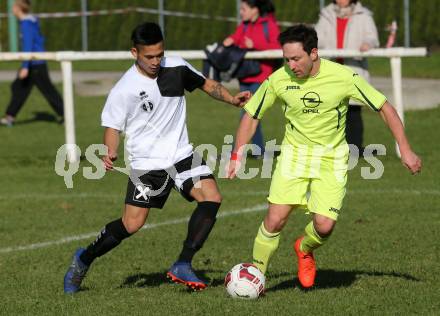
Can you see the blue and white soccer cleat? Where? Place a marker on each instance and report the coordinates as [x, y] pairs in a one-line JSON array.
[[182, 272], [75, 274]]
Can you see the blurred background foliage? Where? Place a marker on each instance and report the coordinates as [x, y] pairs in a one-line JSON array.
[[112, 32]]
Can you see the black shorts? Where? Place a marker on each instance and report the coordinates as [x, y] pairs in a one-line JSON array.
[[150, 189]]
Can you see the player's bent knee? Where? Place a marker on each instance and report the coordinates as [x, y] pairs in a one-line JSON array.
[[134, 218], [324, 226], [274, 223], [217, 198], [132, 225], [324, 231], [210, 197]]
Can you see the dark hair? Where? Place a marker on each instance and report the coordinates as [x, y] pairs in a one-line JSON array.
[[147, 33], [25, 5], [264, 6], [300, 33], [351, 1]]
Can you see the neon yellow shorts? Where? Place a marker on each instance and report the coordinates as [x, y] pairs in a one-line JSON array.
[[317, 192]]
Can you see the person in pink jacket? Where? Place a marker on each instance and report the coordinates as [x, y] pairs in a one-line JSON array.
[[257, 31]]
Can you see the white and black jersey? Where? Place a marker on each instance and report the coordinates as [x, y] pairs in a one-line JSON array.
[[152, 113]]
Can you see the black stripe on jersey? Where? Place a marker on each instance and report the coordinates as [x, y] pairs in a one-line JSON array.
[[260, 106], [366, 99], [339, 118], [172, 81]]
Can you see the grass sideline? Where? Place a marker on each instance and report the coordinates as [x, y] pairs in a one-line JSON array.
[[414, 67], [382, 258]]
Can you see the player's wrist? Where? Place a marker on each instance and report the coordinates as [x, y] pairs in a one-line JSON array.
[[235, 156], [232, 100]]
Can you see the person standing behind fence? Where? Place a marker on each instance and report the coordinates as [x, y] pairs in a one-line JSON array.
[[32, 72], [257, 31], [346, 24]]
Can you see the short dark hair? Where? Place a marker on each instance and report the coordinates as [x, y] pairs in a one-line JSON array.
[[25, 5], [264, 6], [300, 33], [147, 33], [351, 1]]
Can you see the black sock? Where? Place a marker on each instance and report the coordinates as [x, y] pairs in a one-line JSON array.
[[200, 225], [111, 236]]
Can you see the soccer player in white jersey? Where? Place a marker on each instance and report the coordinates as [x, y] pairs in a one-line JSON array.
[[314, 154], [148, 104]]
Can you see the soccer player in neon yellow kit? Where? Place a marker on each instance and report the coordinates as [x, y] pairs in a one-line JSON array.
[[314, 155]]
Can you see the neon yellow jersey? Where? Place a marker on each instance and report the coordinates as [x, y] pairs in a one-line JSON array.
[[315, 108]]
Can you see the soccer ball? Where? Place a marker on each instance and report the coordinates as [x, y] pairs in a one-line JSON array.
[[245, 281]]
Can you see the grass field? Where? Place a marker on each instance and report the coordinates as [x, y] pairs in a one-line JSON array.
[[382, 259]]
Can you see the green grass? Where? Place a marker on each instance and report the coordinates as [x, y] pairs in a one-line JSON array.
[[414, 67], [382, 259]]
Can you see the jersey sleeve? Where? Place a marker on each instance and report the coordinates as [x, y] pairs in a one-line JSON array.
[[262, 100], [192, 78], [114, 114], [364, 92]]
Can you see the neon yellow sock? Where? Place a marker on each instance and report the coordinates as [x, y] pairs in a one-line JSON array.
[[264, 246], [311, 239]]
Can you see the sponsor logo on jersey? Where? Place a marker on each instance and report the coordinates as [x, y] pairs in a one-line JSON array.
[[334, 210], [292, 88], [146, 105], [311, 101]]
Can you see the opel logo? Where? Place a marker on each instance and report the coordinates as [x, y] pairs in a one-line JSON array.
[[311, 100]]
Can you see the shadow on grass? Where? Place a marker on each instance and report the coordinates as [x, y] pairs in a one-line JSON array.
[[326, 279], [39, 117], [158, 278], [145, 280]]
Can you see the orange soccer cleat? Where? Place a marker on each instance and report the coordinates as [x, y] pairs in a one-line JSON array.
[[306, 265]]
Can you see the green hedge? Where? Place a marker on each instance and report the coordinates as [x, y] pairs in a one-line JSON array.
[[113, 32]]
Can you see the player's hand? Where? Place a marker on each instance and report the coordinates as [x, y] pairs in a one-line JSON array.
[[108, 161], [233, 165], [248, 42], [241, 98], [232, 169], [228, 42], [411, 161], [23, 73]]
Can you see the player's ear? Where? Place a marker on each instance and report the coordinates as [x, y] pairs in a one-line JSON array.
[[314, 54], [134, 52]]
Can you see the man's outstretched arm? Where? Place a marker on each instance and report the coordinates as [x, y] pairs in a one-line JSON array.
[[219, 92], [245, 131], [409, 159]]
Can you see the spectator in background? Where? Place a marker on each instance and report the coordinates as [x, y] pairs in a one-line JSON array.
[[33, 72], [346, 24], [257, 31]]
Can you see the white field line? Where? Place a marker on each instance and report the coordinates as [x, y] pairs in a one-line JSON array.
[[41, 196], [256, 208]]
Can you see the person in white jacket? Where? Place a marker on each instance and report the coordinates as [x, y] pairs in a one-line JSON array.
[[346, 24]]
